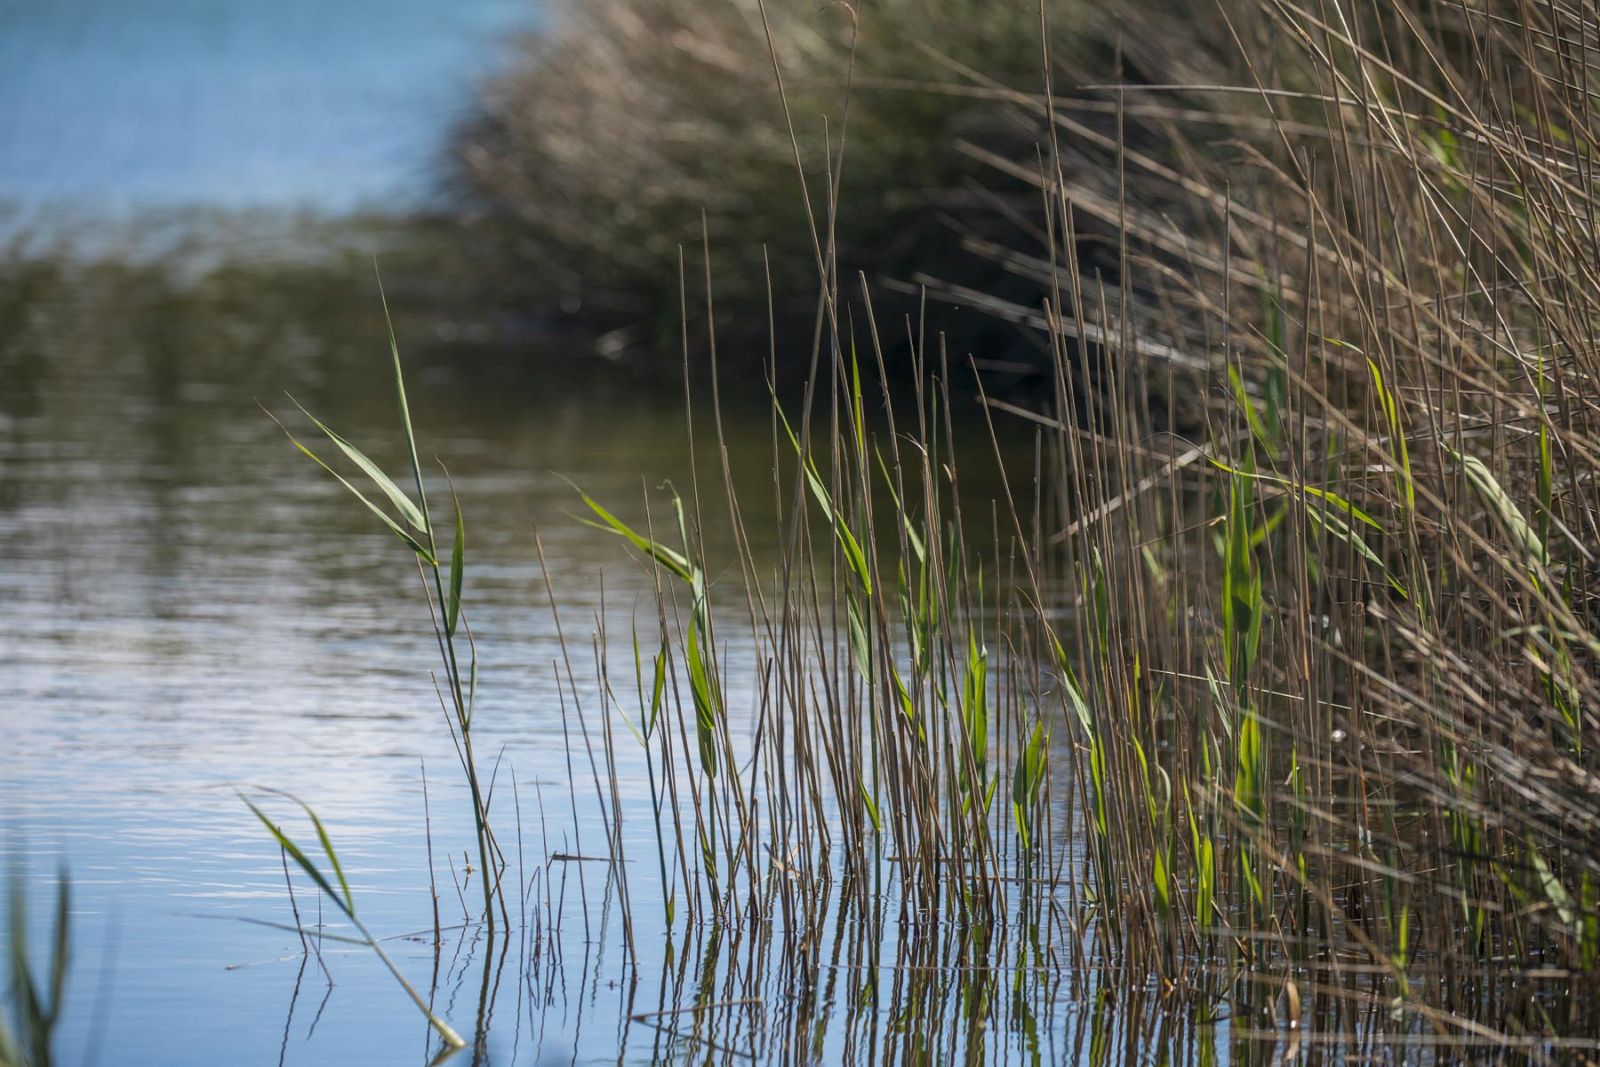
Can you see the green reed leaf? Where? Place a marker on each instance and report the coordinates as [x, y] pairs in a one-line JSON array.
[[675, 562], [401, 501], [458, 551], [300, 858], [399, 531]]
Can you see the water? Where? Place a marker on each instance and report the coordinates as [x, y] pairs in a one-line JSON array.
[[107, 107], [204, 612], [196, 610]]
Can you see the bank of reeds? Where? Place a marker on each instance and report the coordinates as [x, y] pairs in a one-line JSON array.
[[1340, 644], [606, 134], [1313, 685]]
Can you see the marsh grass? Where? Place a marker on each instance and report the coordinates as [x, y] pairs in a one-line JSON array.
[[1339, 651], [411, 522], [1327, 665], [1291, 720]]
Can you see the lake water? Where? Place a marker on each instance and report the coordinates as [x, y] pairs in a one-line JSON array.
[[110, 107]]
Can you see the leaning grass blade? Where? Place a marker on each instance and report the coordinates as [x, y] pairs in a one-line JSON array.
[[1252, 415], [673, 561], [1028, 778], [61, 944], [333, 857], [399, 531], [854, 556], [34, 1013], [702, 690], [1490, 491], [396, 496], [400, 399], [345, 902], [458, 549], [1328, 496], [912, 537], [300, 858], [1397, 435]]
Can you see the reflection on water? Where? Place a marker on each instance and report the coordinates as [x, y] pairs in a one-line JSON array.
[[177, 102]]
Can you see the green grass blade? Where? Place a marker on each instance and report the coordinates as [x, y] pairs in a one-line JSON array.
[[458, 551], [399, 531], [60, 950], [407, 509], [854, 556], [400, 397], [1489, 489], [299, 857], [333, 857], [673, 561], [703, 693]]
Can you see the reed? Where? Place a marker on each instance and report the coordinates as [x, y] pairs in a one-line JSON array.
[[1346, 634], [336, 890], [36, 990], [411, 522], [1309, 672]]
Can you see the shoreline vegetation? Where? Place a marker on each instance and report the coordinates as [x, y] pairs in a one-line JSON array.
[[1310, 687], [1266, 695], [593, 155]]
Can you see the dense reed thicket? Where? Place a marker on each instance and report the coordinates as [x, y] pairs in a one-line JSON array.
[[594, 154], [1341, 645], [1299, 686]]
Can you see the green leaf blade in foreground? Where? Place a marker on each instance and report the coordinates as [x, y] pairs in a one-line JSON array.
[[458, 551], [345, 903], [396, 496], [706, 705], [854, 555], [333, 857], [415, 545], [674, 562], [300, 858]]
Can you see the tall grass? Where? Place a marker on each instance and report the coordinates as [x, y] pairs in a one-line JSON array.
[[336, 890], [411, 522], [1329, 662], [1314, 684], [1346, 636]]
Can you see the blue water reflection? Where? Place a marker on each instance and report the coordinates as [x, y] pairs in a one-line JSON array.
[[116, 104]]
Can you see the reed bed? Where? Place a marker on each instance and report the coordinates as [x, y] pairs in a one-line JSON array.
[[604, 136], [1338, 646], [1281, 712]]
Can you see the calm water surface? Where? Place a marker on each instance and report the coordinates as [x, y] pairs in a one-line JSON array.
[[112, 105]]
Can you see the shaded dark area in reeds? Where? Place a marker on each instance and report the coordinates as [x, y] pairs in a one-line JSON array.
[[593, 156]]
